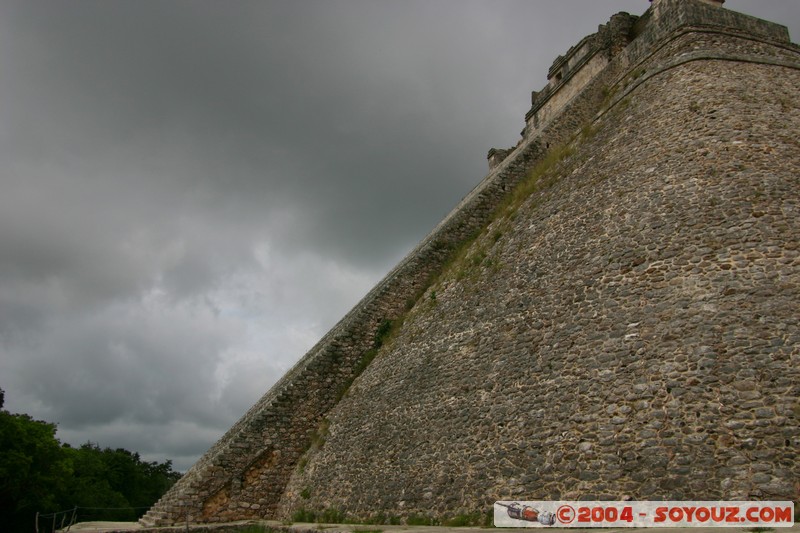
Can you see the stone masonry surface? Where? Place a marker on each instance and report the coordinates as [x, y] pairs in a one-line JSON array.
[[628, 328]]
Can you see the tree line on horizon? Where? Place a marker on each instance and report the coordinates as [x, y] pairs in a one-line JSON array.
[[39, 474]]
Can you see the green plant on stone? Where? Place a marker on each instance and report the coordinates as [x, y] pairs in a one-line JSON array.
[[383, 333], [589, 130], [488, 518], [332, 516], [455, 257], [542, 176], [465, 520], [378, 518], [363, 363], [384, 328], [608, 94], [318, 436], [303, 515], [417, 520], [479, 257]]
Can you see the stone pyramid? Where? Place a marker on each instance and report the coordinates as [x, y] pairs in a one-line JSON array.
[[614, 310]]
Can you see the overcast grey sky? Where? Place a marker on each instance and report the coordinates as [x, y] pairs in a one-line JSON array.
[[192, 193]]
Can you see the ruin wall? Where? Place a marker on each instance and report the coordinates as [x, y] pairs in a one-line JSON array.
[[245, 474], [631, 329]]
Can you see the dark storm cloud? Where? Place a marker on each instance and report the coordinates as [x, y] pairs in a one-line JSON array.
[[194, 192]]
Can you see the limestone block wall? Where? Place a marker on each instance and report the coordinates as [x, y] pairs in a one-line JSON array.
[[632, 328], [447, 368]]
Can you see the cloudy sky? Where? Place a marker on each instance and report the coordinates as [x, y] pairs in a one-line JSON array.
[[192, 193]]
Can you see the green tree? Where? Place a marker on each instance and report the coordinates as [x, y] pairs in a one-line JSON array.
[[39, 474], [90, 486], [117, 479], [33, 470]]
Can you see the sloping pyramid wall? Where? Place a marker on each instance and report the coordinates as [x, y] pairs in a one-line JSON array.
[[626, 322], [631, 328]]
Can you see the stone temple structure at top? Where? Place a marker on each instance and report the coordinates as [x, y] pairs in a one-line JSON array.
[[614, 310]]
